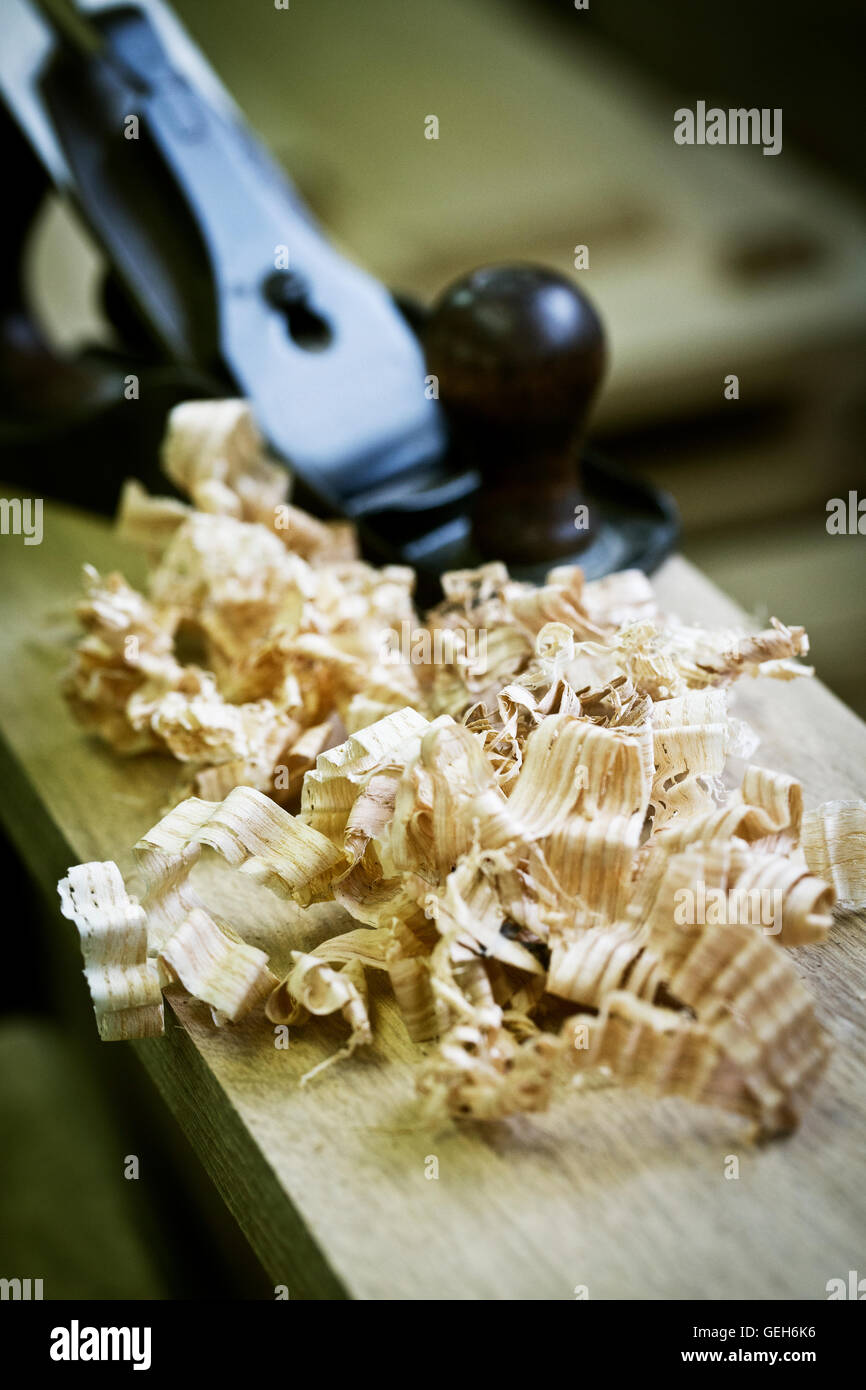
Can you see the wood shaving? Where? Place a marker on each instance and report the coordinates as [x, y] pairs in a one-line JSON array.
[[312, 987], [252, 834], [834, 842], [124, 984], [213, 452], [217, 967], [533, 833]]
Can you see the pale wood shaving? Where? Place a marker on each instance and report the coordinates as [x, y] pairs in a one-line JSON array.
[[312, 987], [217, 967], [146, 522], [124, 985], [602, 960], [213, 452], [834, 842], [253, 835]]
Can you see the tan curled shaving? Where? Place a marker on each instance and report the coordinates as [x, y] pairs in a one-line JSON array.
[[331, 789], [766, 811], [124, 985], [148, 522], [214, 452], [748, 654], [251, 833], [663, 1052], [748, 994], [312, 987], [488, 1073], [600, 961], [423, 1012], [217, 967], [834, 842]]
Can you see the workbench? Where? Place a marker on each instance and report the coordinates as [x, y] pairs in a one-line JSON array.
[[612, 1191]]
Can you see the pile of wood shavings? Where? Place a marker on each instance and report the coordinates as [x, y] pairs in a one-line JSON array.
[[513, 828]]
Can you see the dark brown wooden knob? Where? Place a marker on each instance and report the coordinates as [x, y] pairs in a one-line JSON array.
[[519, 354]]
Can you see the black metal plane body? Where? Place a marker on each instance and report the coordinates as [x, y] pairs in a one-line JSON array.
[[196, 220]]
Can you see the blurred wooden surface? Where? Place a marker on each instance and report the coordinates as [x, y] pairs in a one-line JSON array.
[[703, 260], [611, 1190]]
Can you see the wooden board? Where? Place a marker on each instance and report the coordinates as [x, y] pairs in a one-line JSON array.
[[613, 1191]]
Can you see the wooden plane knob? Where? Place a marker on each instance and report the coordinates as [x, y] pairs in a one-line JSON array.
[[519, 354]]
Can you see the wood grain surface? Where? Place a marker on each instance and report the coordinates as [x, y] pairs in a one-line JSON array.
[[612, 1191]]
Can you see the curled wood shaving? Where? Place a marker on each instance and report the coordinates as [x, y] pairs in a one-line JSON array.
[[217, 967], [834, 842], [213, 452], [775, 645], [252, 834], [312, 987], [330, 792], [744, 990], [127, 649], [148, 522], [766, 811], [410, 973], [124, 985], [660, 1050], [488, 1073], [602, 960], [521, 800]]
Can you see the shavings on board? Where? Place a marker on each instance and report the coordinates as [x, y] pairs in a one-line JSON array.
[[523, 800]]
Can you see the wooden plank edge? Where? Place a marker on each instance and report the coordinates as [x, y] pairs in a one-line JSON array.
[[236, 1165]]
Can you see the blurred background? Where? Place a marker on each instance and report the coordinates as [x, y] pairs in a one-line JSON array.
[[555, 131]]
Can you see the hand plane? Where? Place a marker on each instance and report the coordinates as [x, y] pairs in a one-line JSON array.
[[449, 435]]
